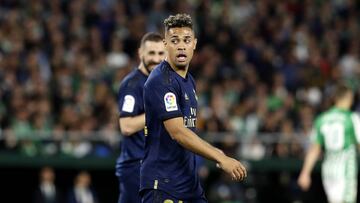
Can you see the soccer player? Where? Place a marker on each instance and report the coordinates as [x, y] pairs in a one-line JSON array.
[[132, 117], [168, 172], [337, 131]]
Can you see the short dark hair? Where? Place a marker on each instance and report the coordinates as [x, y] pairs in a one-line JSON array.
[[151, 36], [340, 89], [178, 20]]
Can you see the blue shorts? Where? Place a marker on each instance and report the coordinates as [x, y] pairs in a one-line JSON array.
[[158, 196], [129, 184]]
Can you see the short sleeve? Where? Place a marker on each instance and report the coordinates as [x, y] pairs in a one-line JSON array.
[[163, 100], [129, 102]]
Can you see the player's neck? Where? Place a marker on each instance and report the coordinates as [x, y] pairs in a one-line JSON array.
[[143, 69], [179, 71], [342, 105]]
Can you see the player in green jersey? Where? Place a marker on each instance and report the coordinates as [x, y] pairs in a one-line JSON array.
[[336, 132]]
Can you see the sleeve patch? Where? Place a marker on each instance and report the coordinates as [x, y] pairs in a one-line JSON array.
[[129, 103], [170, 102]]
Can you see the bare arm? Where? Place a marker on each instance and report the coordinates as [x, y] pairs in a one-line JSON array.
[[131, 125], [194, 143], [311, 157]]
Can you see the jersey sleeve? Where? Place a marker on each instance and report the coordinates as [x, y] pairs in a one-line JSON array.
[[316, 137], [163, 100], [356, 123], [129, 102]]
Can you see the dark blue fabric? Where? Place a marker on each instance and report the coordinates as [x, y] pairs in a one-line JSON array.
[[129, 183], [132, 147], [158, 196], [168, 166]]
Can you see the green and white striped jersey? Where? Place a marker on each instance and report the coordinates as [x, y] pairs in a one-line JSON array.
[[338, 132]]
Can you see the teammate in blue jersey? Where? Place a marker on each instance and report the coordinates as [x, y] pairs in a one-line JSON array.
[[168, 172], [132, 117]]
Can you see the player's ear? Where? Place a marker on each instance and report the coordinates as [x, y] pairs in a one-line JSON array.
[[164, 41], [195, 42]]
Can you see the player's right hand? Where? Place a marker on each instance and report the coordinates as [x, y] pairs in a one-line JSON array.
[[304, 181], [234, 168]]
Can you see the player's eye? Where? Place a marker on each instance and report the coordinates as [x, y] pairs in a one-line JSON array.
[[187, 41], [174, 41]]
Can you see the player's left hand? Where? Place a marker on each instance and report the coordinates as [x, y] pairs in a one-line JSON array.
[[304, 181], [234, 168]]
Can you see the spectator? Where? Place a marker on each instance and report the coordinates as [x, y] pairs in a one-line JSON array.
[[82, 191], [47, 192]]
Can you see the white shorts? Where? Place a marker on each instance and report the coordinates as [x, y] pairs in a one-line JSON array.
[[339, 191]]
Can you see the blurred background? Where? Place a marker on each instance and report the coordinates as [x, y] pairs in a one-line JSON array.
[[264, 70]]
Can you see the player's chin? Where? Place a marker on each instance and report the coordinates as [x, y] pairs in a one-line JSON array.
[[181, 65]]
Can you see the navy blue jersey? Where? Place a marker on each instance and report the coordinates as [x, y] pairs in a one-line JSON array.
[[131, 103], [167, 165]]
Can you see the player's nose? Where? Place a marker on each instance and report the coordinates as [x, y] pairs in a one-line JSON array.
[[158, 59], [181, 46]]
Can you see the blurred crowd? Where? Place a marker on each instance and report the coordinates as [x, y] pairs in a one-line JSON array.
[[264, 69]]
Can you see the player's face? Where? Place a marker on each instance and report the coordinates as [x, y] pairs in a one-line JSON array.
[[151, 54], [180, 44]]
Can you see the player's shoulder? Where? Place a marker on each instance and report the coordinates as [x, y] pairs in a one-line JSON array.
[[333, 114], [134, 79], [160, 76], [323, 115]]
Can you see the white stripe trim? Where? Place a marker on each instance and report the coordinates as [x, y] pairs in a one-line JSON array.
[[356, 123]]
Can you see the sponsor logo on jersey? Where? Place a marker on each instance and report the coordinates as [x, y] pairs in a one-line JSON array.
[[129, 103], [170, 102]]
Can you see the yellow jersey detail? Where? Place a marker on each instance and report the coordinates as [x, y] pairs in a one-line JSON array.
[[145, 131]]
